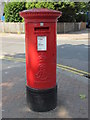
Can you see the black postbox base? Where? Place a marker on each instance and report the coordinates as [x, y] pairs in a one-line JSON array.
[[41, 100]]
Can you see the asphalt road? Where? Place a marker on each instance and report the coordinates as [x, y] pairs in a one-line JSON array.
[[70, 51], [69, 103]]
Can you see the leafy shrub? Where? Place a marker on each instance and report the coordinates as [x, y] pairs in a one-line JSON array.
[[68, 11], [49, 5], [81, 17], [71, 11], [12, 10]]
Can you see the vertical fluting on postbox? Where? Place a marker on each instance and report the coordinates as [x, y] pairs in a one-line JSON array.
[[40, 43]]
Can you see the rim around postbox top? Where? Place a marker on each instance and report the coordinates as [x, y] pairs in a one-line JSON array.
[[40, 13]]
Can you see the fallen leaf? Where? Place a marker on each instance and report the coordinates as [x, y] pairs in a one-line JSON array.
[[82, 96]]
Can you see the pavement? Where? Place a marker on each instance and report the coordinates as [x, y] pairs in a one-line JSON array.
[[72, 87]]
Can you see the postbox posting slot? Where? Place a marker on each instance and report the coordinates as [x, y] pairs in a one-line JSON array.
[[41, 29]]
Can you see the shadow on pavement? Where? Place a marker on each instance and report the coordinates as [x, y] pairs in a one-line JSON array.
[[73, 55]]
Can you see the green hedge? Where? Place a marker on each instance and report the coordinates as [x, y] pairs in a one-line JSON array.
[[12, 10], [49, 5], [68, 9], [71, 11], [81, 17]]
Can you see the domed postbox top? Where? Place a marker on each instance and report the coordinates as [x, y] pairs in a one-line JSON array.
[[40, 13]]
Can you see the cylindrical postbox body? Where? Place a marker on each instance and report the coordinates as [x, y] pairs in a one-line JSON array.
[[40, 43]]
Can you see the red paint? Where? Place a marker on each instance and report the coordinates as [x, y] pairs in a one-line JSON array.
[[40, 65]]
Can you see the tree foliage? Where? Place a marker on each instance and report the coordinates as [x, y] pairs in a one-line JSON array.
[[12, 10], [49, 5], [68, 11], [71, 11]]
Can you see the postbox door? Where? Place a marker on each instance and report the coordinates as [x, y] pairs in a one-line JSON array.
[[41, 56]]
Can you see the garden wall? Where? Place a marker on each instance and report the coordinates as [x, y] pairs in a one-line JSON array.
[[8, 27]]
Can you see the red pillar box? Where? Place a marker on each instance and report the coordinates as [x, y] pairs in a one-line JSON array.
[[40, 39]]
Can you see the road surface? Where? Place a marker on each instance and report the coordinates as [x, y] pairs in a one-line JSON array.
[[72, 50]]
